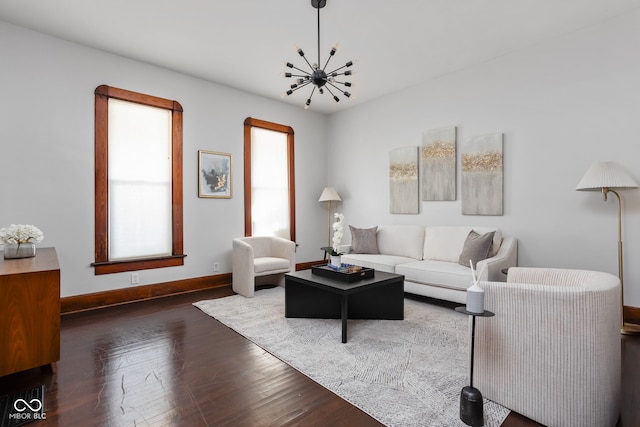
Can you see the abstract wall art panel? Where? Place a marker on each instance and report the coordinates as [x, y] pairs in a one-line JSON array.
[[482, 172], [403, 180], [438, 164]]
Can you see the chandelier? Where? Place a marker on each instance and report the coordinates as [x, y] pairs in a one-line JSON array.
[[319, 77]]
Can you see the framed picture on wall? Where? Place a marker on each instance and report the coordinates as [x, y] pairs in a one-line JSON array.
[[214, 174]]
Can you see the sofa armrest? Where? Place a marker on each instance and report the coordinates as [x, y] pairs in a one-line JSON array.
[[506, 257], [242, 268], [345, 249]]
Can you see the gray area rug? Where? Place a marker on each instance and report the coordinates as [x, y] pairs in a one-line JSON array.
[[401, 372]]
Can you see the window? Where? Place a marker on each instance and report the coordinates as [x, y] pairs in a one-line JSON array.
[[269, 188], [138, 181]]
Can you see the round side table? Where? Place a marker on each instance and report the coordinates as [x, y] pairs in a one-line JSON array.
[[471, 405]]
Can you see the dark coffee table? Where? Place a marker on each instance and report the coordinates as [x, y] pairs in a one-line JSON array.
[[311, 296]]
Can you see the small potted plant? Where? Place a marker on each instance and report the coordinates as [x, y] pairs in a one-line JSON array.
[[20, 240], [334, 249]]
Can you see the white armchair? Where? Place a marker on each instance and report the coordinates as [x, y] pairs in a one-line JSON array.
[[260, 256], [553, 351]]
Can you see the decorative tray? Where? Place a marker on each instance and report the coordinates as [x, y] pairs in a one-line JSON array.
[[346, 273]]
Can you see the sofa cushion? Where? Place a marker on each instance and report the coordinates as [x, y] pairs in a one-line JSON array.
[[441, 273], [401, 240], [267, 263], [364, 240], [445, 243], [379, 262], [476, 248]]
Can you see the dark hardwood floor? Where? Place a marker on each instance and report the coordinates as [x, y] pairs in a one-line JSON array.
[[165, 363]]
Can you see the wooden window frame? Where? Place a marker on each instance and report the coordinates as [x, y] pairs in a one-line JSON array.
[[248, 124], [102, 263]]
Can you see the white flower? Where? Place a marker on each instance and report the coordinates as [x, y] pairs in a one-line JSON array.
[[20, 233], [337, 233]]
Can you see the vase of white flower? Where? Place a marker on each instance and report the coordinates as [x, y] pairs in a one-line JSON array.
[[19, 250], [20, 240], [337, 239]]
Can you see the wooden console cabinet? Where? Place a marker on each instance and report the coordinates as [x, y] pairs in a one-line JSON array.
[[29, 312]]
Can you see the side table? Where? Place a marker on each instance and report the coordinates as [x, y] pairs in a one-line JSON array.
[[30, 310], [471, 405]]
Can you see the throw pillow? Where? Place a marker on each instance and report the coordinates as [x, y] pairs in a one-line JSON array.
[[476, 248], [363, 240]]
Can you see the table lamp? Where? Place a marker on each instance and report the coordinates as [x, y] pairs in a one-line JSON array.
[[606, 177]]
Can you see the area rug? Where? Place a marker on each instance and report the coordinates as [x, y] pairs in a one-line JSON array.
[[401, 372]]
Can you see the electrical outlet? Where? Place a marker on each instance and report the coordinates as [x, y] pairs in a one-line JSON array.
[[216, 266], [135, 278]]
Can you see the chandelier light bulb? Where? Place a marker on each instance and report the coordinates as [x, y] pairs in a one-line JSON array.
[[319, 77]]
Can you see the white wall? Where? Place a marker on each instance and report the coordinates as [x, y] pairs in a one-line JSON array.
[[46, 155], [561, 106]]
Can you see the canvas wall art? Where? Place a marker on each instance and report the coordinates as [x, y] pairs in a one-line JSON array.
[[438, 164], [403, 180], [214, 179], [482, 175]]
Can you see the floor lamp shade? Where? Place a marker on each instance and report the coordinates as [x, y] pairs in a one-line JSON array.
[[607, 177], [329, 194]]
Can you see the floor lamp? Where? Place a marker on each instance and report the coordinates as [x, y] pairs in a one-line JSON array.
[[329, 194], [605, 177]]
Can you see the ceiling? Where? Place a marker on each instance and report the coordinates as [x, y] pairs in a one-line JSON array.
[[244, 44]]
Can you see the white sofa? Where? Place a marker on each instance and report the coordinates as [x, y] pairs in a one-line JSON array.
[[428, 258]]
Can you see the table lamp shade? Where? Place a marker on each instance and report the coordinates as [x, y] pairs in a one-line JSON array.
[[606, 175], [329, 194]]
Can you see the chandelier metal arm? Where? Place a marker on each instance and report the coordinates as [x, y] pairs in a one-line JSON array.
[[333, 94], [300, 86], [348, 64], [290, 65], [304, 76], [305, 60], [333, 51], [348, 84], [344, 92]]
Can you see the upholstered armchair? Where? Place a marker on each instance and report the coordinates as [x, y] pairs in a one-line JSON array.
[[264, 257], [552, 352]]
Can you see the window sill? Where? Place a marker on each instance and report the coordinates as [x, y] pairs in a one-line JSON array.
[[109, 267]]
